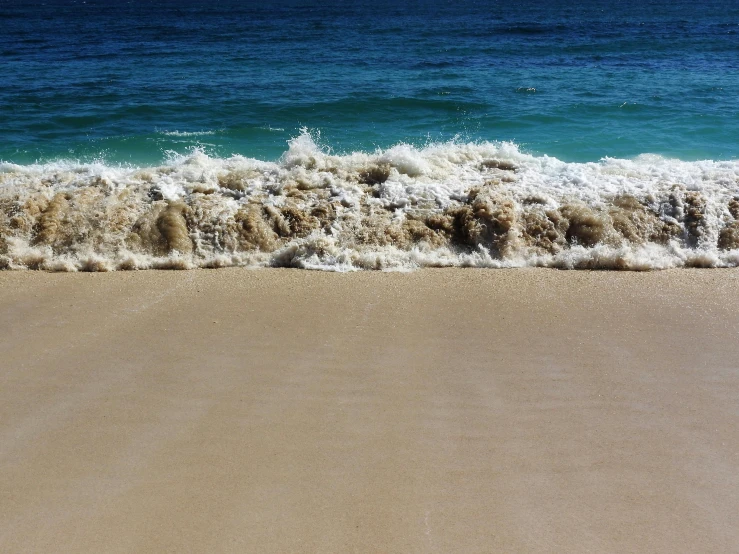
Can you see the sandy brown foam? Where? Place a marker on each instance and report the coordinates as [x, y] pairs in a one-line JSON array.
[[456, 205]]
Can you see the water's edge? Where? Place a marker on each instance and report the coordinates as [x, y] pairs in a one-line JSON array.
[[445, 205]]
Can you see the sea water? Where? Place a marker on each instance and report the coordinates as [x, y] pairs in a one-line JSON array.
[[344, 135]]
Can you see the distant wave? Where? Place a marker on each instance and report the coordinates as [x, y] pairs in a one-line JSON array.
[[451, 204], [187, 133]]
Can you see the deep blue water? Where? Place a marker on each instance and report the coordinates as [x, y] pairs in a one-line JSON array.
[[130, 82]]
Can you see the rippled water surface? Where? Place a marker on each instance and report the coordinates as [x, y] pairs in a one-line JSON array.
[[131, 81]]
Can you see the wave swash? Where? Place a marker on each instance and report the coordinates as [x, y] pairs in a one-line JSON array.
[[481, 205]]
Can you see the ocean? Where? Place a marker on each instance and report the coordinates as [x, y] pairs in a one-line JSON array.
[[369, 135]]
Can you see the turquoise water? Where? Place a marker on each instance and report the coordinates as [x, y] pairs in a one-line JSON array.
[[369, 135], [135, 82]]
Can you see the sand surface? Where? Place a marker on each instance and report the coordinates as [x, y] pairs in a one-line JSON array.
[[437, 411]]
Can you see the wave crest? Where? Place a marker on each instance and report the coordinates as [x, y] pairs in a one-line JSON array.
[[475, 204]]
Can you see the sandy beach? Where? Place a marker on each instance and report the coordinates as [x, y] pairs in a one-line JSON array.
[[436, 411]]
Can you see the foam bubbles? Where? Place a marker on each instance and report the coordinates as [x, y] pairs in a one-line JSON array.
[[187, 133], [451, 204]]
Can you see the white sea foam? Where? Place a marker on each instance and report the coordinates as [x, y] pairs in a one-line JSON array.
[[187, 133], [451, 204]]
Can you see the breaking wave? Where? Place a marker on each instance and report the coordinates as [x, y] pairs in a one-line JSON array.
[[475, 204]]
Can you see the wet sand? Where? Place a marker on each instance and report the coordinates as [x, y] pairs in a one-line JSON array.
[[436, 411]]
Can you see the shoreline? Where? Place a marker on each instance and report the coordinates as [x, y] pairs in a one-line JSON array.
[[485, 205], [447, 410]]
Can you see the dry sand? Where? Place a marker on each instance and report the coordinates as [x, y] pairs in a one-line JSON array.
[[437, 411]]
